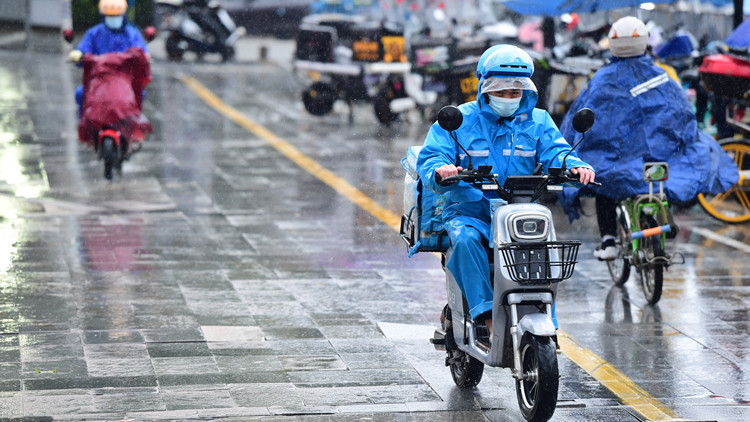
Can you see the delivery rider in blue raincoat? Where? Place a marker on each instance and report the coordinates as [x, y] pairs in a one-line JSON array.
[[501, 129], [641, 116], [113, 35]]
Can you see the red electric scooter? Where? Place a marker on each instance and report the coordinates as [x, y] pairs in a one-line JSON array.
[[112, 119]]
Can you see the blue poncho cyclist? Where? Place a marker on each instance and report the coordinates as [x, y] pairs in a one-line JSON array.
[[641, 115], [501, 129]]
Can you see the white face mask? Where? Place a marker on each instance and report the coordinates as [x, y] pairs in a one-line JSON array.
[[113, 22], [504, 107]]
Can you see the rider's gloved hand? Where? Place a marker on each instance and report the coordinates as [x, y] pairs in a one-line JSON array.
[[585, 174], [446, 170], [75, 56]]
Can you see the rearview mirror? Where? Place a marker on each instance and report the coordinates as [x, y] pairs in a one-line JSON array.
[[68, 35], [450, 118], [149, 33], [583, 120]]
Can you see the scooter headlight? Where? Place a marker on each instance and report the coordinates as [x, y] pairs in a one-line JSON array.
[[529, 226]]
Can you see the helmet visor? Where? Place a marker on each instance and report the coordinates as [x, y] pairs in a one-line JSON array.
[[501, 84]]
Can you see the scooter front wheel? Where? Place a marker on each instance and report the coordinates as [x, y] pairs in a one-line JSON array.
[[227, 53], [537, 388], [465, 370], [109, 155]]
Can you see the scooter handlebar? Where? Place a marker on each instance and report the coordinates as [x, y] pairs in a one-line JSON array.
[[467, 175], [575, 178]]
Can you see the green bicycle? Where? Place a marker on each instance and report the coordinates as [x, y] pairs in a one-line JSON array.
[[643, 226]]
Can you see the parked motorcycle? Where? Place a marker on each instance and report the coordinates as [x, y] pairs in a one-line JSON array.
[[349, 58], [198, 26], [526, 263]]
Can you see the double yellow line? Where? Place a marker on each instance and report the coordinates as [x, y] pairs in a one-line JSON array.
[[609, 376]]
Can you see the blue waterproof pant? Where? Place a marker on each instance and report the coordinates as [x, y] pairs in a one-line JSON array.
[[469, 263]]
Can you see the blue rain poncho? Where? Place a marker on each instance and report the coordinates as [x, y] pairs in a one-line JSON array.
[[99, 40], [641, 116], [511, 148], [740, 37]]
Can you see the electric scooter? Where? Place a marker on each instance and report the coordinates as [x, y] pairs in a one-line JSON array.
[[526, 264], [111, 115], [200, 26]]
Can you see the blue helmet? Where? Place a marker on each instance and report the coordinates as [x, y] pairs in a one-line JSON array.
[[483, 58], [505, 60], [508, 67]]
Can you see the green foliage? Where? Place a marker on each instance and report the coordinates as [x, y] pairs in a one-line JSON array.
[[85, 14]]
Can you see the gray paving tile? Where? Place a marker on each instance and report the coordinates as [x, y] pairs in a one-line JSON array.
[[185, 365], [197, 397], [269, 394], [46, 405], [112, 336]]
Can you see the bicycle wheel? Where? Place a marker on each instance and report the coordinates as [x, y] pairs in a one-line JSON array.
[[650, 266], [732, 206], [619, 268]]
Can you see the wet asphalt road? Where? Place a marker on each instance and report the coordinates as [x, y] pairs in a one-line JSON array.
[[217, 279]]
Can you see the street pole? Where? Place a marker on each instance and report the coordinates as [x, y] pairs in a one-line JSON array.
[[27, 24], [67, 14], [66, 22]]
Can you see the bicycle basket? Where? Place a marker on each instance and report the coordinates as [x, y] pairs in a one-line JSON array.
[[538, 263]]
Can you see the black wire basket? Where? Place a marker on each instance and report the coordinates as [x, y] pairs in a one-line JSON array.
[[537, 263]]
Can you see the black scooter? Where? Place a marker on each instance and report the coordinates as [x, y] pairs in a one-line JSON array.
[[200, 26]]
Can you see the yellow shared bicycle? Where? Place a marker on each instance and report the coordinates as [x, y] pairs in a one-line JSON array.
[[732, 206]]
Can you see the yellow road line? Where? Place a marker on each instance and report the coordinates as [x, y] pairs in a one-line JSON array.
[[625, 389], [615, 381], [326, 176]]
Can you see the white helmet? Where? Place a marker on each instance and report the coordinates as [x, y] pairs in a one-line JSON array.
[[628, 37]]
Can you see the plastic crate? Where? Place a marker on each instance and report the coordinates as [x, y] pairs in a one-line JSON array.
[[315, 43], [726, 76]]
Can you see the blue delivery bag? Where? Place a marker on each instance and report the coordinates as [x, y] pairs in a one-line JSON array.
[[422, 221]]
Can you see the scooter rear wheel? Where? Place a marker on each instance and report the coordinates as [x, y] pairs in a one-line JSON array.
[[174, 50], [537, 389], [382, 105], [319, 98], [465, 370]]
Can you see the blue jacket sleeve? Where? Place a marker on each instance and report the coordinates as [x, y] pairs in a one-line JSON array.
[[438, 150], [86, 45], [136, 39]]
